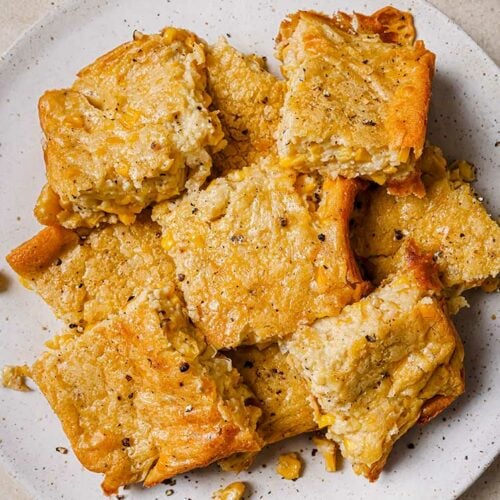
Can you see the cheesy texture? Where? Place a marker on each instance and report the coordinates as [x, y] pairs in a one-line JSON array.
[[132, 130], [141, 399], [261, 251], [451, 223], [85, 278], [248, 99], [357, 95], [383, 364]]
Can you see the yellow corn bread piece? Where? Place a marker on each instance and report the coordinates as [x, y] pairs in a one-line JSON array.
[[132, 130], [248, 99], [358, 91], [140, 398], [261, 251], [450, 222], [85, 279], [281, 391], [383, 364]]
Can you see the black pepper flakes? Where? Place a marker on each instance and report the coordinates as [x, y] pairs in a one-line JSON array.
[[62, 450], [237, 238], [321, 237], [283, 221], [72, 325], [58, 262], [184, 367], [128, 377], [132, 297], [370, 123], [126, 442], [398, 234], [181, 277], [370, 338], [248, 364], [411, 446]]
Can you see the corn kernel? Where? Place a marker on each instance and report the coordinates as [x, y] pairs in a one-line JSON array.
[[234, 491], [167, 242], [291, 161], [14, 377], [127, 219], [404, 155], [466, 171], [289, 466], [379, 178], [325, 420], [115, 140], [171, 34], [329, 451], [130, 118], [344, 154], [74, 121], [122, 170], [362, 155], [26, 283], [315, 150]]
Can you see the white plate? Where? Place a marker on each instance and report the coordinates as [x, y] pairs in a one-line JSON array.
[[449, 453]]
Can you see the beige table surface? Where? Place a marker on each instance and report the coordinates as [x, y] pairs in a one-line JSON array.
[[479, 18]]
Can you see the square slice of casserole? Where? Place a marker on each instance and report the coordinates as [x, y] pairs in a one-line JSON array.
[[132, 130], [86, 277], [262, 250], [450, 222], [141, 399], [358, 90], [385, 363]]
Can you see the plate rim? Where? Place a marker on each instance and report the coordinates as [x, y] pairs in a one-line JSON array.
[[63, 8]]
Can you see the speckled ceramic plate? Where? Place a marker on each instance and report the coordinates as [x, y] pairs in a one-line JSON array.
[[436, 461]]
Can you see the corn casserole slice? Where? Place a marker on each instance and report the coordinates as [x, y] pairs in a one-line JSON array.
[[248, 99], [358, 91], [132, 130], [86, 277], [141, 399], [450, 222], [262, 250], [281, 393], [386, 362]]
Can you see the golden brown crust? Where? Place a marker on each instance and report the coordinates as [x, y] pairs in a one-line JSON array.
[[86, 282], [411, 185], [262, 251], [386, 362], [248, 99], [138, 399], [391, 24], [42, 250], [422, 266], [282, 393], [449, 223], [358, 91], [132, 130]]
